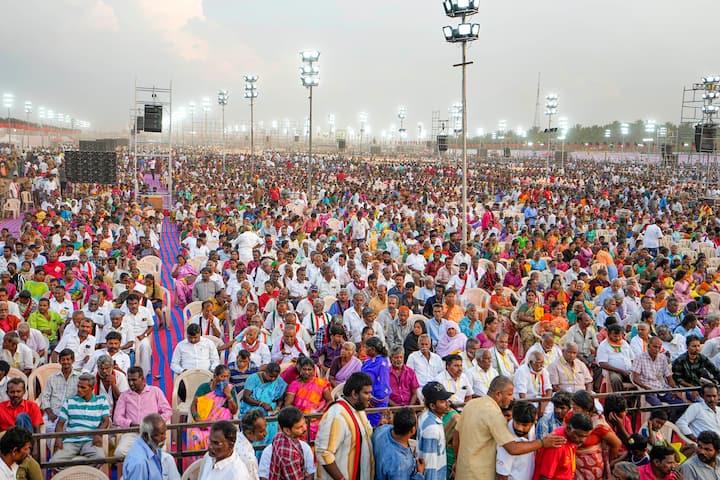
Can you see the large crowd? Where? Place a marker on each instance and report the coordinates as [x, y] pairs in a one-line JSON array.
[[482, 354]]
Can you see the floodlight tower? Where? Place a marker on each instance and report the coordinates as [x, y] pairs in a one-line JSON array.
[[462, 33], [206, 109], [251, 93], [363, 124], [551, 108], [402, 115], [8, 100], [28, 111], [223, 101], [191, 110], [310, 77]]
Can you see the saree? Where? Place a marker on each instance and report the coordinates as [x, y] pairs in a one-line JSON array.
[[590, 461], [378, 368], [211, 408], [450, 421], [266, 392], [353, 365], [309, 399], [183, 291]]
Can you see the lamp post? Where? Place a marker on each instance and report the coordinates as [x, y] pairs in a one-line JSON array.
[[502, 128], [462, 33], [363, 123], [551, 108], [223, 101], [206, 110], [191, 111], [563, 125], [310, 77], [251, 93], [28, 111], [41, 117], [8, 99], [624, 131], [402, 115]]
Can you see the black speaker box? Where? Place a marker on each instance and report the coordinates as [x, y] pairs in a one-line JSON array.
[[341, 144], [507, 153], [442, 143], [153, 118], [91, 167], [705, 136], [375, 150]]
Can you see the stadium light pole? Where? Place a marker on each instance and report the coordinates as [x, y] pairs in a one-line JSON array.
[[363, 123], [551, 108], [223, 101], [251, 93], [402, 115], [41, 118], [310, 77], [28, 111], [8, 100], [191, 111], [462, 33], [206, 110], [624, 131]]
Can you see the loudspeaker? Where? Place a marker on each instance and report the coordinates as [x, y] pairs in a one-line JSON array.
[[140, 122], [341, 144], [483, 152], [705, 137], [560, 156], [442, 143], [296, 139], [507, 153], [666, 149], [375, 150], [153, 118], [88, 146], [91, 167]]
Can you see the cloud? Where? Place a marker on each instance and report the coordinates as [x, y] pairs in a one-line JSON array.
[[173, 20]]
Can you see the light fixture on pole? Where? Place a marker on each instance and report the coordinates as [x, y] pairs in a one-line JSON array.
[[363, 123], [191, 111], [310, 77], [624, 131], [402, 115], [41, 117], [551, 108], [251, 93], [462, 33], [28, 111], [8, 100], [206, 109], [222, 99], [563, 127]]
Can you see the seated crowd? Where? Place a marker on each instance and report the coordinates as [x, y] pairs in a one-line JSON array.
[[361, 303]]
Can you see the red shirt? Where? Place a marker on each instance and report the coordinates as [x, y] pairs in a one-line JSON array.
[[54, 269], [8, 414], [556, 463]]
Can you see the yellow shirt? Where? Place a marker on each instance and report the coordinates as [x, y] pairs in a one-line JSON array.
[[482, 427]]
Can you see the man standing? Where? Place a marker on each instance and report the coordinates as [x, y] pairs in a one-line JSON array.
[[393, 457], [559, 463], [135, 404], [221, 462], [426, 364], [85, 412], [431, 442], [343, 444], [482, 427], [522, 427], [704, 464], [59, 387], [145, 458], [288, 461], [140, 320]]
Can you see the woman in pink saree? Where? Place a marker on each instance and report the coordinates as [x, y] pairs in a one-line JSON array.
[[309, 393], [213, 401], [184, 275]]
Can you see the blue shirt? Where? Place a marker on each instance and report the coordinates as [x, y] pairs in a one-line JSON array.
[[393, 461], [434, 330], [141, 463], [547, 424], [431, 445], [664, 317]]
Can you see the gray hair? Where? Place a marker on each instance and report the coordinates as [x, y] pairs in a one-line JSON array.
[[662, 329], [350, 345], [568, 344], [13, 337], [628, 469], [424, 336], [481, 352], [396, 350], [86, 377], [104, 360], [26, 326], [470, 306], [150, 422], [538, 356]]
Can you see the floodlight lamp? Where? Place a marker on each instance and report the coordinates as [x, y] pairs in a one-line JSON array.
[[310, 80], [309, 70], [28, 106], [711, 79], [252, 78], [711, 95], [465, 32], [223, 97], [310, 56], [251, 93], [8, 100], [710, 109], [459, 8]]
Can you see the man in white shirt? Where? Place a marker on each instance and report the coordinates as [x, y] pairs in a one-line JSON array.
[[33, 338], [81, 343], [253, 429], [652, 236], [116, 324], [195, 352], [701, 416], [288, 347], [221, 462], [415, 261], [532, 380], [522, 427], [426, 364], [503, 359], [121, 360], [16, 353], [209, 324], [140, 320], [482, 374], [353, 318], [547, 347], [615, 356], [60, 304], [455, 381]]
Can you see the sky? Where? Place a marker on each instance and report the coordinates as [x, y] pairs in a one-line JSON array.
[[611, 60]]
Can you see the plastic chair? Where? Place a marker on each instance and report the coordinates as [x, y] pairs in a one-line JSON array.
[[150, 264], [217, 341], [193, 471], [190, 310], [15, 373], [416, 316], [192, 380], [328, 302], [198, 262], [480, 298], [38, 378], [714, 300], [337, 391], [80, 472], [166, 306], [12, 206], [27, 200]]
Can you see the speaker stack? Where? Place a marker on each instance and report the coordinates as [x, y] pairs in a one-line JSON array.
[[507, 153], [341, 144], [705, 135], [375, 150], [442, 143], [153, 119], [91, 167]]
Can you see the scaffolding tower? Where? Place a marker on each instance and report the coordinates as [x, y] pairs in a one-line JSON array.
[[697, 132]]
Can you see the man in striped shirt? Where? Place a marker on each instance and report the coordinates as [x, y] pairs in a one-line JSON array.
[[431, 433], [84, 412]]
